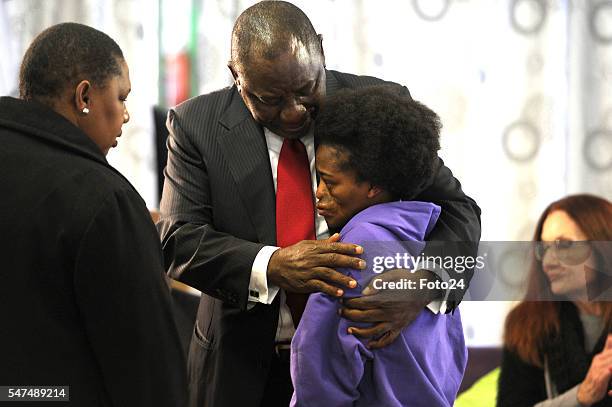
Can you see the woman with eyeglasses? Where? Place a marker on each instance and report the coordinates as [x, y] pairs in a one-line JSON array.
[[557, 342]]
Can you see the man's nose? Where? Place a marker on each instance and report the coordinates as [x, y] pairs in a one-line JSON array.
[[293, 113], [126, 115]]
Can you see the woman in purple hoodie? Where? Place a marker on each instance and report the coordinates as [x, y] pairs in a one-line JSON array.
[[376, 149]]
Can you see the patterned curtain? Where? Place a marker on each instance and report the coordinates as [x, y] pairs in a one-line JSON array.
[[523, 87]]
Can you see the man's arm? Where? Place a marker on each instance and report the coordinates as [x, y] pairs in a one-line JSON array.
[[460, 216], [124, 302], [457, 231]]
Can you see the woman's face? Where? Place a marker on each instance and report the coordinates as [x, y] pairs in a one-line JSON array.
[[107, 110], [568, 263], [339, 195]]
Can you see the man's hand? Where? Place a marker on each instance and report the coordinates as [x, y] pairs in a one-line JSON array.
[[308, 266], [389, 310], [597, 381]]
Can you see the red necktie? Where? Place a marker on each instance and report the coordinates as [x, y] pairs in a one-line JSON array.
[[294, 208]]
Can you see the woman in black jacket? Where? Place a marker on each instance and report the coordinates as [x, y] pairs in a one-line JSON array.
[[83, 300]]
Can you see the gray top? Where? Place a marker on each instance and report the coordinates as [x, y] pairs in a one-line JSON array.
[[592, 326]]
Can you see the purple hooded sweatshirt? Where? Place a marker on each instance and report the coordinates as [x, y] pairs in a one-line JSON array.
[[424, 366]]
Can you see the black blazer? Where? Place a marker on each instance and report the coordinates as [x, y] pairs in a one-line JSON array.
[[218, 211], [83, 297]]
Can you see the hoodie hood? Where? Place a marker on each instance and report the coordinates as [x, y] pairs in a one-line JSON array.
[[404, 220]]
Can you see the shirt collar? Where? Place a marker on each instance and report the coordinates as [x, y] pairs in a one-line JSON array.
[[275, 142]]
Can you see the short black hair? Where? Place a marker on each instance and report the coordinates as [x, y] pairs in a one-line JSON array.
[[391, 139], [270, 28], [65, 54]]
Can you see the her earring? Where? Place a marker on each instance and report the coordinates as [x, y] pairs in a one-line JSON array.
[[85, 110]]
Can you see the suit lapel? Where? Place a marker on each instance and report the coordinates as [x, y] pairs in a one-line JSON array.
[[246, 153]]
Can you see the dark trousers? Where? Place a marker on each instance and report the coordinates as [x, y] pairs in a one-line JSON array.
[[279, 389]]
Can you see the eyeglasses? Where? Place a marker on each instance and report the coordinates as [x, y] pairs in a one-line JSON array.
[[567, 252]]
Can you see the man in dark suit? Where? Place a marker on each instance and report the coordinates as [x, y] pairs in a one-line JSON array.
[[223, 216]]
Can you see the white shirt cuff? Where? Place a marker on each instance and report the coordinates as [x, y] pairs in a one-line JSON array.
[[259, 291], [439, 306]]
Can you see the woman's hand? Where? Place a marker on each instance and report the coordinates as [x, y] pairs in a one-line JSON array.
[[597, 381]]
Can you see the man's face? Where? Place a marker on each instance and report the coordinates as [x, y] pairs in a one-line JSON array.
[[283, 95], [339, 195]]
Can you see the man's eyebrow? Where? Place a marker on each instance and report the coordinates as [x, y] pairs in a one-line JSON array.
[[265, 94], [262, 94]]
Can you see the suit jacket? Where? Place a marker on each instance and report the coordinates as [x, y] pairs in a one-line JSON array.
[[83, 297], [218, 211]]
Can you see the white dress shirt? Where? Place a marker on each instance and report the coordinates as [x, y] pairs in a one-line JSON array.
[[259, 290]]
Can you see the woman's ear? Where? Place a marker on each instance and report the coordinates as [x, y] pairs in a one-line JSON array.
[[81, 97], [374, 191]]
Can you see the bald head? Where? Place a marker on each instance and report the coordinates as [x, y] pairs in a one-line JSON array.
[[271, 28]]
